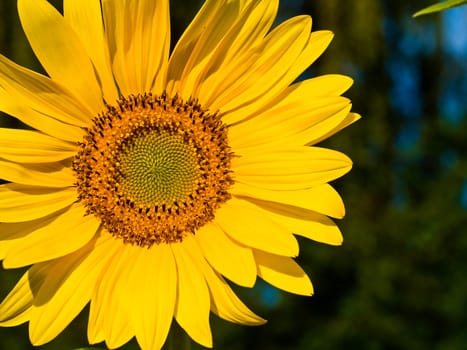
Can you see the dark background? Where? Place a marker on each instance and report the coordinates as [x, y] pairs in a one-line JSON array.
[[399, 280]]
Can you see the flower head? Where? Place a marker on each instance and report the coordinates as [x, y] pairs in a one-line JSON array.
[[149, 177]]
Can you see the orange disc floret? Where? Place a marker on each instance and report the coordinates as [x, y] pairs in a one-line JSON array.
[[153, 168]]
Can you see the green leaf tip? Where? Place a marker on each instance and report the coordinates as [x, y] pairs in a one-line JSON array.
[[441, 6]]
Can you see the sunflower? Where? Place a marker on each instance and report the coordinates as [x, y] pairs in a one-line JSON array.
[[147, 179]]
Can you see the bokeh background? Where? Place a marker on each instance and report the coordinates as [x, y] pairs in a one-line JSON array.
[[399, 281]]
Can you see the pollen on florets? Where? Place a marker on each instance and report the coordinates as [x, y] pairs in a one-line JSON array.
[[154, 168]]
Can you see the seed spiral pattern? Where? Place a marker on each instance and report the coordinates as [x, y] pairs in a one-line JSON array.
[[157, 168], [154, 168]]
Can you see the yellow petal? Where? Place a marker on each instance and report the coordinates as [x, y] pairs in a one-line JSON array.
[[323, 85], [305, 223], [294, 121], [317, 43], [138, 34], [193, 303], [229, 258], [60, 51], [68, 287], [246, 224], [16, 308], [198, 42], [10, 233], [248, 31], [289, 168], [45, 174], [99, 300], [322, 199], [324, 129], [95, 331], [42, 94], [85, 18], [38, 120], [27, 146], [23, 203], [250, 28], [264, 78], [225, 304], [283, 273], [114, 298], [155, 276], [349, 119], [64, 234]]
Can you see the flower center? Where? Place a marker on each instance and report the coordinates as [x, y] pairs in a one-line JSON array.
[[157, 167], [154, 169]]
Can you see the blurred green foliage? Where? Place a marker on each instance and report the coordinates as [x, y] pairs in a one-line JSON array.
[[398, 282]]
